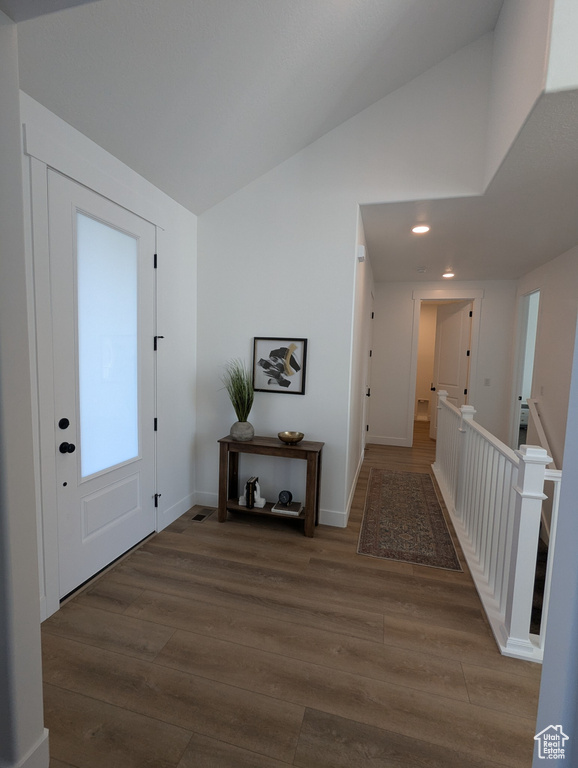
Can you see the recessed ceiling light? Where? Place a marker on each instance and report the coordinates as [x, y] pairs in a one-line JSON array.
[[449, 273], [420, 229]]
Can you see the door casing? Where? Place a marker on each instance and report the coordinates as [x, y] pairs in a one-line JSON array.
[[39, 156], [431, 294]]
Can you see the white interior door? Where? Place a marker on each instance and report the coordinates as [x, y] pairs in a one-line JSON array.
[[452, 358], [102, 293]]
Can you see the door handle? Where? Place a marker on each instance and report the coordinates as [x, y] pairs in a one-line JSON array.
[[66, 448]]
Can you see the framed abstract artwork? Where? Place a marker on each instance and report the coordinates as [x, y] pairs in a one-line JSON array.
[[279, 365]]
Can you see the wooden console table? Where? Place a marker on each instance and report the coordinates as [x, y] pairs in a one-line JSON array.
[[229, 451]]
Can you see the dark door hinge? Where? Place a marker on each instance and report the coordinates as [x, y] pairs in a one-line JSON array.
[[465, 391], [367, 427], [156, 423], [468, 353], [155, 341], [471, 313], [371, 352], [155, 261], [157, 497], [372, 315]]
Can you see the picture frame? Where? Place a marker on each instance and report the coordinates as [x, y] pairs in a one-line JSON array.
[[279, 364]]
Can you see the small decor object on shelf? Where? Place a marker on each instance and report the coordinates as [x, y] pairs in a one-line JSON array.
[[285, 497], [286, 505], [279, 365], [252, 497], [238, 382], [291, 438]]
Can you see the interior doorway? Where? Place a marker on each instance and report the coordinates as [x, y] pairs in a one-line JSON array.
[[529, 308], [461, 343], [443, 356]]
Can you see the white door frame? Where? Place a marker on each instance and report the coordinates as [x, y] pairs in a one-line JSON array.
[[431, 294], [40, 154], [519, 361]]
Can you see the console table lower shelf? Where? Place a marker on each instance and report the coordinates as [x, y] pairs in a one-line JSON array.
[[229, 451]]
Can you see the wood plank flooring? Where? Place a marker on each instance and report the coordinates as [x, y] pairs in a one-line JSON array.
[[246, 645]]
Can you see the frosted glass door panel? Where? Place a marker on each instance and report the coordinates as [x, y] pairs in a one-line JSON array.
[[107, 282]]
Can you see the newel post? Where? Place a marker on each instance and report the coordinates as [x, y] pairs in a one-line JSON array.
[[526, 529]]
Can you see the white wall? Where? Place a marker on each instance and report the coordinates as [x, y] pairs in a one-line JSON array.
[[563, 58], [530, 347], [395, 338], [23, 740], [559, 684], [557, 281], [52, 142], [278, 257], [521, 44]]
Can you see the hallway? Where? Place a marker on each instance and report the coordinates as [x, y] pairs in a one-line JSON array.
[[247, 645]]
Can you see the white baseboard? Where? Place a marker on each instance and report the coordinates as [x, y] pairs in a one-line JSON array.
[[168, 516], [402, 442], [330, 517], [43, 609], [37, 757], [352, 489]]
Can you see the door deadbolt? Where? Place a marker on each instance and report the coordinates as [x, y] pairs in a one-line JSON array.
[[63, 423], [66, 448]]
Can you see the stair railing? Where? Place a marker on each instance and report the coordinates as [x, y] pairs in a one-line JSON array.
[[494, 496]]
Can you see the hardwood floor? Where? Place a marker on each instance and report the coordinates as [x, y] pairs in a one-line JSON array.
[[247, 645]]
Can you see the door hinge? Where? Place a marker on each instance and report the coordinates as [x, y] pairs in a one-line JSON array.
[[371, 352], [155, 261], [157, 497], [155, 341], [468, 353], [465, 391], [156, 424], [471, 313], [367, 427], [372, 315]]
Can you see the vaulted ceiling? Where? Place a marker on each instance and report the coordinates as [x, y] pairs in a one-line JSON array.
[[203, 96]]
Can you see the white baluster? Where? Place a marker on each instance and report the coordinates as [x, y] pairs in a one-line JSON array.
[[467, 415]]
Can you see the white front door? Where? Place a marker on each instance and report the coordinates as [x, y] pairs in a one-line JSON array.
[[102, 294], [452, 358]]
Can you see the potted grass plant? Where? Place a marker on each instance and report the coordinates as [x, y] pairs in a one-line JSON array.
[[238, 381]]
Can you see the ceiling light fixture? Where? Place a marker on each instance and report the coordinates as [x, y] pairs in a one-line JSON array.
[[448, 273], [420, 229]]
